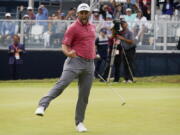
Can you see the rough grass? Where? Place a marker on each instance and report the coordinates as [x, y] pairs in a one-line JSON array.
[[153, 108]]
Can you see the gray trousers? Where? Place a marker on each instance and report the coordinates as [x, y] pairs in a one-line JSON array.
[[82, 69]]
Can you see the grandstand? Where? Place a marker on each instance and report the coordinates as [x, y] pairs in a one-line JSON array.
[[161, 35]]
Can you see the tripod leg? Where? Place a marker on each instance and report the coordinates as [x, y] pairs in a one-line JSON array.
[[128, 64], [113, 53]]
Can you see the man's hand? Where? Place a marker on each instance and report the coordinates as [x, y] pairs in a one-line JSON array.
[[120, 37], [19, 50], [117, 42], [72, 54], [126, 40], [11, 51], [68, 51]]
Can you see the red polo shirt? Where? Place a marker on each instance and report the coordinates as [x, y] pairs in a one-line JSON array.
[[81, 38]]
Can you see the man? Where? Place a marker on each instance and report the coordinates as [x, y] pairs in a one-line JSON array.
[[130, 17], [127, 5], [79, 46], [15, 51], [8, 29], [71, 15], [102, 45], [42, 15], [31, 14], [129, 46]]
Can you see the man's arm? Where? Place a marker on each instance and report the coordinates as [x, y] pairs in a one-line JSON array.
[[68, 51], [129, 41]]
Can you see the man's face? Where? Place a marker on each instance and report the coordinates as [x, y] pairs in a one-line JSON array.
[[84, 16], [124, 25], [16, 39], [139, 14], [8, 17], [96, 13], [119, 8], [29, 11], [128, 13], [26, 18], [105, 7], [40, 11]]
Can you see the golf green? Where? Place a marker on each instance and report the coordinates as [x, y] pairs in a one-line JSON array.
[[152, 108]]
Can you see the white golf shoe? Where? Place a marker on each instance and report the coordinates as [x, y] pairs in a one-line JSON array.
[[40, 111], [129, 81], [81, 128]]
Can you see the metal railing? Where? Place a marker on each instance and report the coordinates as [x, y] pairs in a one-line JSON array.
[[158, 35]]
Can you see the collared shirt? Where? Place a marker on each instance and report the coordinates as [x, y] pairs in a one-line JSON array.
[[8, 28], [141, 22], [102, 44], [130, 20], [128, 35], [12, 57], [43, 16], [81, 38]]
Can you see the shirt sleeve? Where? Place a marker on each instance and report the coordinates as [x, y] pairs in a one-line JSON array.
[[130, 36], [69, 36]]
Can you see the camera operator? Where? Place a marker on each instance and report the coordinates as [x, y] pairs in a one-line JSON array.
[[117, 59], [128, 45]]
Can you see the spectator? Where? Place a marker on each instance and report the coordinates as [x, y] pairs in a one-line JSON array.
[[27, 25], [118, 11], [16, 51], [145, 6], [58, 14], [8, 28], [168, 8], [129, 17], [148, 12], [102, 45], [134, 1], [62, 16], [105, 10], [140, 27], [177, 11], [108, 24], [21, 12], [71, 14], [96, 16], [97, 19], [41, 16], [128, 5], [31, 14], [57, 30]]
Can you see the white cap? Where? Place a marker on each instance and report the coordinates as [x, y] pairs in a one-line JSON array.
[[83, 7], [128, 9], [96, 10], [26, 16], [109, 16], [29, 8], [7, 14]]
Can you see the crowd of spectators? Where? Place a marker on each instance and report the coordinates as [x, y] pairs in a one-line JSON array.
[[136, 11]]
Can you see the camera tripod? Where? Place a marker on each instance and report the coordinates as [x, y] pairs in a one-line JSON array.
[[113, 54]]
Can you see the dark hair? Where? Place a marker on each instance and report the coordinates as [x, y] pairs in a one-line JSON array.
[[16, 35]]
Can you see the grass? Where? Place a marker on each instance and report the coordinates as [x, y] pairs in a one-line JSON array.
[[153, 108]]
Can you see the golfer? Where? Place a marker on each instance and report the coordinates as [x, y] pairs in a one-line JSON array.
[[79, 47]]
